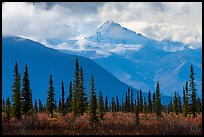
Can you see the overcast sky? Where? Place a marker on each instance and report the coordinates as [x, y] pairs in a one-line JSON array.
[[177, 21]]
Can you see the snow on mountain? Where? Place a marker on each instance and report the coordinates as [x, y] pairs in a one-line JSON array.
[[137, 60]]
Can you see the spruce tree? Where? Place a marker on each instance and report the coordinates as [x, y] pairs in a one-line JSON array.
[[117, 104], [16, 98], [132, 101], [106, 104], [36, 107], [193, 91], [185, 103], [40, 106], [153, 103], [157, 100], [126, 103], [3, 106], [100, 105], [176, 103], [59, 108], [51, 102], [149, 103], [63, 110], [93, 102], [8, 109], [81, 93], [113, 106], [75, 100], [145, 107], [141, 102], [26, 92], [199, 106], [180, 106], [70, 98], [128, 100], [138, 101]]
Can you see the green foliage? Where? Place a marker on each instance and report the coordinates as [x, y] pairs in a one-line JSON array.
[[75, 100], [26, 92], [51, 103], [132, 101], [117, 104], [36, 107], [113, 105], [149, 107], [16, 98], [100, 105], [199, 106], [193, 91], [93, 102], [81, 94], [157, 100], [40, 106], [185, 99], [8, 109], [70, 98], [141, 102], [176, 103], [145, 107], [63, 110], [106, 104]]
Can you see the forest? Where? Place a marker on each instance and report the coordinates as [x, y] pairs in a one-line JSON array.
[[85, 114]]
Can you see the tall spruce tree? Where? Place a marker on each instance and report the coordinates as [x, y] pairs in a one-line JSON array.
[[81, 94], [185, 103], [40, 106], [132, 101], [153, 103], [128, 100], [180, 106], [141, 102], [63, 110], [36, 107], [117, 104], [138, 101], [70, 98], [106, 104], [158, 100], [3, 106], [8, 109], [16, 98], [149, 103], [113, 106], [93, 102], [193, 91], [199, 106], [51, 102], [75, 100], [145, 107], [26, 92], [176, 103], [59, 108], [100, 105]]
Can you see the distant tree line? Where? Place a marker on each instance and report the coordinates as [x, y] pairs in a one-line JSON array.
[[78, 103]]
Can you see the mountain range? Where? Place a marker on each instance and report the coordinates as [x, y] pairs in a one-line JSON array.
[[137, 60], [43, 61]]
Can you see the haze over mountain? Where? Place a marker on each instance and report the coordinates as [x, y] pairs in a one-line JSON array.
[[137, 60]]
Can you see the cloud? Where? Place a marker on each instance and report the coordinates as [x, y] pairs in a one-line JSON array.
[[184, 33], [69, 20], [168, 20]]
